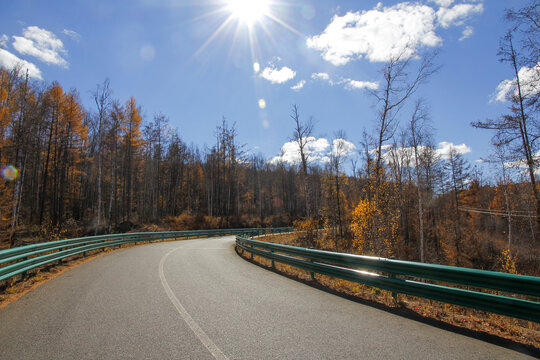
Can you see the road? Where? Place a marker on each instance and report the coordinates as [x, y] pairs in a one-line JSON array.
[[197, 299]]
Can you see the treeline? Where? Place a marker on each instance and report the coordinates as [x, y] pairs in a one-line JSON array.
[[105, 169], [72, 171]]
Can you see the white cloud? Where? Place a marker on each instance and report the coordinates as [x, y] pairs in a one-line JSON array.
[[41, 44], [290, 152], [317, 149], [276, 76], [320, 76], [529, 80], [445, 147], [72, 34], [3, 41], [377, 34], [342, 147], [9, 61], [457, 14], [401, 155], [351, 84], [405, 155], [299, 85], [467, 32], [443, 3]]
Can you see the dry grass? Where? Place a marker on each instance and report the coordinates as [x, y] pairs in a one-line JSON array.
[[515, 330]]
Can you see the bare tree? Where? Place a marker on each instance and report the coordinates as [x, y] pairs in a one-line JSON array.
[[419, 132], [501, 158], [397, 86], [365, 152], [337, 155], [102, 98], [117, 118], [302, 136], [457, 174], [21, 156], [519, 129], [527, 21]]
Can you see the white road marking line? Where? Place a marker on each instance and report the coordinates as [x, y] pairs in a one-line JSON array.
[[201, 335]]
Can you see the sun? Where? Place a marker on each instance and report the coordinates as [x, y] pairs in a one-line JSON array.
[[249, 17], [248, 11]]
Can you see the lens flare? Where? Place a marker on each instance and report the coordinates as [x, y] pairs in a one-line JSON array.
[[256, 67], [308, 12], [10, 172], [262, 103], [148, 53]]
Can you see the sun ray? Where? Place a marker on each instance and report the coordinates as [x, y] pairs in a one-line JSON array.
[[206, 15], [212, 37], [252, 44], [234, 40], [269, 35], [285, 25]]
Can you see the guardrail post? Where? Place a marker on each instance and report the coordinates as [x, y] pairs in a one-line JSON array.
[[393, 276], [394, 294], [273, 265], [61, 260], [311, 272], [23, 275], [251, 252]]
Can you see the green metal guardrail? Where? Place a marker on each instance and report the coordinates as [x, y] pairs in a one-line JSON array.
[[338, 265], [18, 260]]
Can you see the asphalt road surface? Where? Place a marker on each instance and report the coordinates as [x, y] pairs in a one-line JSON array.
[[197, 299]]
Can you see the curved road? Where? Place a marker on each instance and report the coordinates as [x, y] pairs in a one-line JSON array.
[[197, 299]]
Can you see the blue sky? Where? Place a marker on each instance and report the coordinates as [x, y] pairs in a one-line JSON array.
[[165, 54]]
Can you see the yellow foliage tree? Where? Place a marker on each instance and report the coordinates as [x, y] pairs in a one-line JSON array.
[[375, 220]]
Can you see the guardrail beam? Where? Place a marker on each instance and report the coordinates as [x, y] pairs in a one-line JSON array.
[[338, 265], [19, 260]]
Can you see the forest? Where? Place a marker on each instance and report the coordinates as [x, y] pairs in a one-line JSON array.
[[72, 171]]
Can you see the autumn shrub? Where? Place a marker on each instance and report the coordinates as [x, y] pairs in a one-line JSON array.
[[508, 262], [482, 250], [183, 221], [151, 228], [214, 222], [308, 235], [50, 232], [72, 228]]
